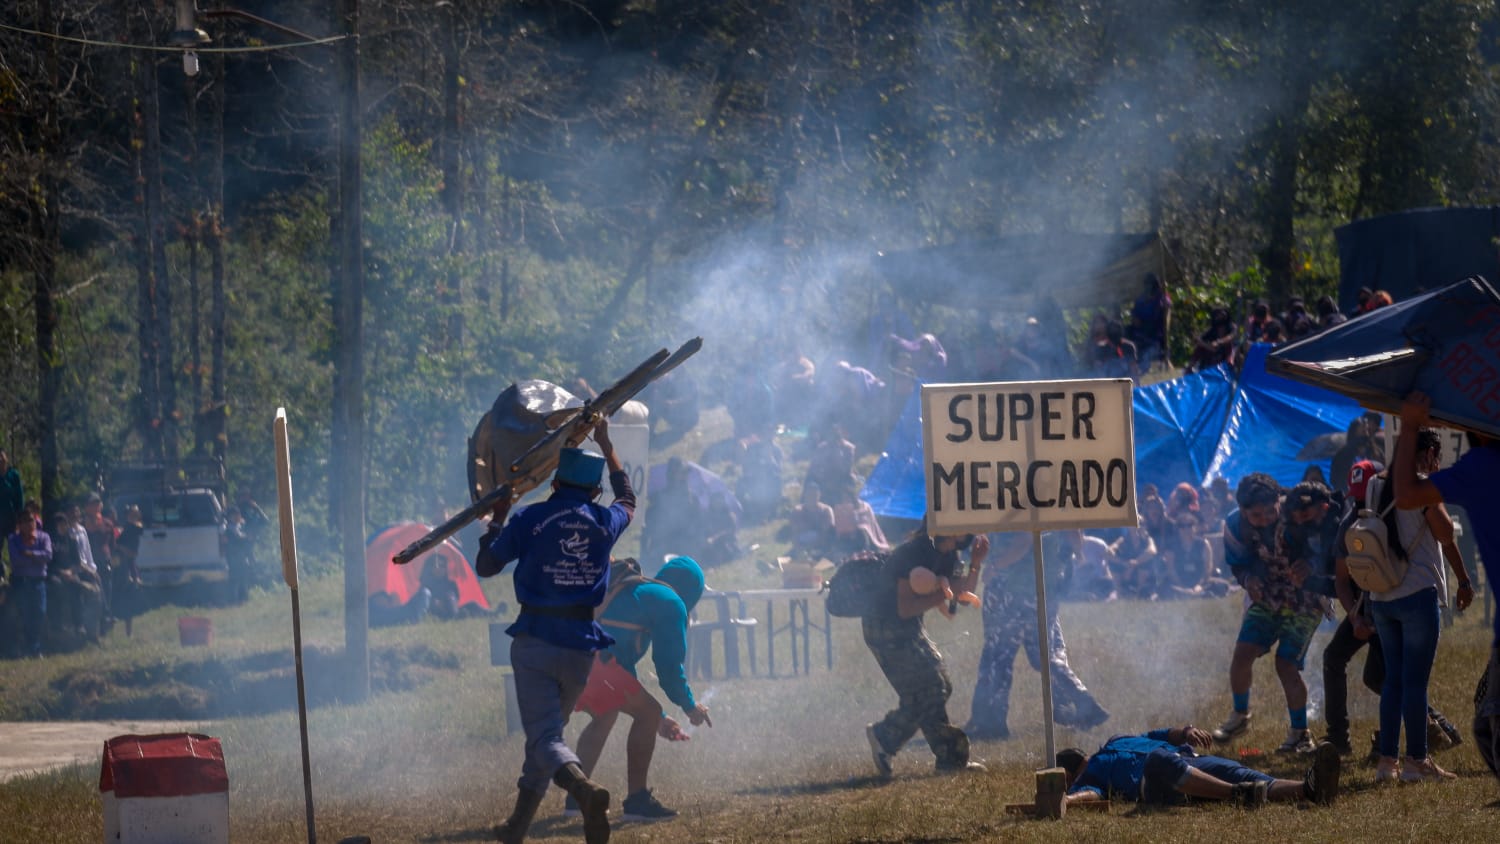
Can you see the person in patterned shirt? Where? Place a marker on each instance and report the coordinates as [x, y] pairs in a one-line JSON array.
[[1281, 612]]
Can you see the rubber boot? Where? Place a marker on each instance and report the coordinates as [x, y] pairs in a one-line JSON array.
[[513, 831], [592, 799]]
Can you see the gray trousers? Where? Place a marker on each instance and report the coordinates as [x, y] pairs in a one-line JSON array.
[[549, 681]]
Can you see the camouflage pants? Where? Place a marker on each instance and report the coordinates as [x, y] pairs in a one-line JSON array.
[[915, 670]]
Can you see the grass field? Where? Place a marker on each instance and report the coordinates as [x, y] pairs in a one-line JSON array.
[[427, 757], [785, 761]]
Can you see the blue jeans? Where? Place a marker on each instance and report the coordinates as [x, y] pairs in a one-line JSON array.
[[30, 595], [549, 681], [1166, 770], [1408, 629]]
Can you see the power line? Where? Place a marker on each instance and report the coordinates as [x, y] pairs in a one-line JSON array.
[[154, 48]]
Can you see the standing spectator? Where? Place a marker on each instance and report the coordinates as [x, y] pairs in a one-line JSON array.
[[1281, 612], [1355, 631], [1216, 344], [909, 660], [30, 551], [1328, 313], [127, 576], [1469, 483], [11, 495], [1407, 618], [1010, 625], [1357, 446], [239, 553], [1260, 318], [563, 545], [1150, 323], [1116, 357], [101, 532], [1297, 321]]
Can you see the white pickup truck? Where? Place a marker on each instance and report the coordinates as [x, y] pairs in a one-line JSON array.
[[183, 541]]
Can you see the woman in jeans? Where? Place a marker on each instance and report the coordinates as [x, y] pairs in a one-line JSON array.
[[1406, 619]]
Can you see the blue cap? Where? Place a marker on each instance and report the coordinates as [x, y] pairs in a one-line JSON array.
[[576, 467]]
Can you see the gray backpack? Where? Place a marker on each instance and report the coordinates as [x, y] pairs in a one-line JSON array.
[[1374, 565]]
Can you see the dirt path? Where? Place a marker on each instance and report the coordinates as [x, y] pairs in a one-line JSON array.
[[27, 746]]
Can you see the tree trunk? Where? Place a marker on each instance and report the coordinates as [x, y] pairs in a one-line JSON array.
[[45, 218], [348, 378], [149, 423], [453, 194], [215, 233]]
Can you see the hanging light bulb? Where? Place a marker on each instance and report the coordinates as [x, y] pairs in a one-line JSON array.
[[190, 62]]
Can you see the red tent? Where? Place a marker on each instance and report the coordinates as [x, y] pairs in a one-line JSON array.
[[404, 581]]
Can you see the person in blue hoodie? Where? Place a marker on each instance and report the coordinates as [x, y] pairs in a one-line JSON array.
[[1162, 767], [642, 613], [563, 547]]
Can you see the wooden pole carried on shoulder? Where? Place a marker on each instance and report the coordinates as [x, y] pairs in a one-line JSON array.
[[289, 574]]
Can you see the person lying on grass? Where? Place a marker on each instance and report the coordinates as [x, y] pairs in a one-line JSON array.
[[1162, 767]]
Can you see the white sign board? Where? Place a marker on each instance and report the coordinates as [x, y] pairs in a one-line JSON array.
[[1028, 455]]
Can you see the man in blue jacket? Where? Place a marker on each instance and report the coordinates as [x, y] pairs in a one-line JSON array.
[[642, 613], [563, 547], [1162, 767]]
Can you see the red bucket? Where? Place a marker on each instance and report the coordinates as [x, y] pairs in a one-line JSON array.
[[195, 630]]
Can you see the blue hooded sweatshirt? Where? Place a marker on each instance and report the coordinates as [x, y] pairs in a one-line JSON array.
[[658, 617]]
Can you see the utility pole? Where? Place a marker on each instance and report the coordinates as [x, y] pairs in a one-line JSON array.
[[349, 372]]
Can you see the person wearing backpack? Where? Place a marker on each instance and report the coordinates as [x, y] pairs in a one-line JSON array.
[[893, 631], [1468, 483], [641, 613], [1407, 617], [1357, 631]]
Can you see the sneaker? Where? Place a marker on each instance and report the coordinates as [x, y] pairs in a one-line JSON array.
[[1297, 741], [570, 809], [1387, 769], [878, 753], [1321, 785], [1424, 770], [1249, 795], [967, 767], [1236, 724], [643, 806]]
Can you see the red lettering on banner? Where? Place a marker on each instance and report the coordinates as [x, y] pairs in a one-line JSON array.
[[1455, 360], [1490, 404], [1488, 313]]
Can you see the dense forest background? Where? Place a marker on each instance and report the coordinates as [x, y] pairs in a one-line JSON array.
[[555, 189]]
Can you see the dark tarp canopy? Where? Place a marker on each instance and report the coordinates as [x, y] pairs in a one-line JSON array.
[[1076, 269], [1412, 252]]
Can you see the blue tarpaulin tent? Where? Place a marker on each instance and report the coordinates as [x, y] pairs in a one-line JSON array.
[[1191, 428]]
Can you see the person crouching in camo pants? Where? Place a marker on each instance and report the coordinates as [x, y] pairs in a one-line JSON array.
[[910, 661]]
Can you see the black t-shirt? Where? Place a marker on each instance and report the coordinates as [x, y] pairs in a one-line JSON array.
[[913, 553]]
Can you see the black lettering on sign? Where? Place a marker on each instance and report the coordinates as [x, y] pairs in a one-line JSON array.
[[1018, 401], [1010, 481], [985, 434], [1067, 485], [1093, 483], [1084, 405], [979, 481], [1031, 484], [1049, 414], [943, 478], [1117, 486], [958, 419]]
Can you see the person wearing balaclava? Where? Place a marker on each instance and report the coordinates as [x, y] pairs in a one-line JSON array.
[[642, 613], [562, 546]]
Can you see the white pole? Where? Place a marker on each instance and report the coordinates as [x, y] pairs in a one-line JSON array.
[[289, 574], [1044, 641]]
